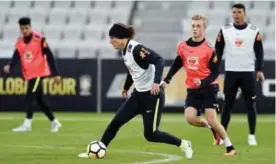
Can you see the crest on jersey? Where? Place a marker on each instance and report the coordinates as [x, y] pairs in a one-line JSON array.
[[144, 53], [28, 56], [193, 62], [238, 42], [129, 47]]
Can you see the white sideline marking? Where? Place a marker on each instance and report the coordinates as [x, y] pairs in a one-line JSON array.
[[168, 157], [169, 120]]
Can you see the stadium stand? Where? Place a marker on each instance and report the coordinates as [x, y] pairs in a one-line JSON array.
[[74, 29], [79, 29], [173, 18]]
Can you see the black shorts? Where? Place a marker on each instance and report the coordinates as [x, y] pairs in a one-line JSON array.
[[203, 98]]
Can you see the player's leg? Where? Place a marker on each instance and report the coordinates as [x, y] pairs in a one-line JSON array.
[[55, 124], [230, 90], [125, 113], [248, 87], [192, 107], [211, 116], [151, 112], [28, 102], [210, 104]]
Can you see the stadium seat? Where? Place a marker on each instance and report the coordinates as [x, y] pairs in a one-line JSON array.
[[82, 5], [221, 5], [270, 34], [77, 17], [97, 16], [15, 14], [118, 16], [62, 4], [5, 5], [43, 4], [103, 4], [7, 48], [261, 5], [53, 32], [199, 6], [72, 32], [93, 32], [57, 16], [66, 50], [19, 5], [126, 5], [87, 49], [10, 32], [248, 4], [38, 17]]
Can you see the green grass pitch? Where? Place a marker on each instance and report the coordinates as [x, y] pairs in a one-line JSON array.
[[129, 147]]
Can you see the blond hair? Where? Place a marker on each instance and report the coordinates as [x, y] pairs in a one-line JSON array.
[[201, 17]]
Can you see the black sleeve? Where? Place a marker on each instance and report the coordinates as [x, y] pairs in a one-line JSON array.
[[219, 46], [15, 58], [177, 64], [128, 82], [259, 52], [214, 68], [144, 56], [50, 57]]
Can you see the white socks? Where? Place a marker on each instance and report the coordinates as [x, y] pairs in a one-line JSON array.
[[227, 142], [251, 136], [27, 122]]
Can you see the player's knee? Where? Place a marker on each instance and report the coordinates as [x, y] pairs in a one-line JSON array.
[[251, 105], [150, 136], [191, 119], [212, 120]]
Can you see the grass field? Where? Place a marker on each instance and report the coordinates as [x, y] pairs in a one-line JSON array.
[[129, 147]]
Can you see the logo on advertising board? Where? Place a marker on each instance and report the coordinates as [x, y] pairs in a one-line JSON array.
[[85, 82]]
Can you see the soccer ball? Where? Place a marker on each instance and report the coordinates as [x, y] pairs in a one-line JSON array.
[[96, 149]]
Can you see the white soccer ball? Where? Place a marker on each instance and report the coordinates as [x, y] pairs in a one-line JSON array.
[[96, 149]]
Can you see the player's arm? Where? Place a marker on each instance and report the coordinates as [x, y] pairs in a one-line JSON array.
[[15, 58], [259, 52], [214, 63], [50, 57], [219, 46], [144, 56], [177, 64], [128, 82]]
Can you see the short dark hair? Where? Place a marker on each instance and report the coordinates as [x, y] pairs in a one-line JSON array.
[[239, 6], [24, 21]]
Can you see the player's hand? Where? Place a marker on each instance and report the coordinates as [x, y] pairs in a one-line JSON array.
[[155, 89], [7, 69], [197, 82], [57, 80], [260, 77], [124, 93]]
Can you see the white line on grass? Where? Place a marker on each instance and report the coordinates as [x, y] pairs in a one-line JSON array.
[[105, 119], [167, 157]]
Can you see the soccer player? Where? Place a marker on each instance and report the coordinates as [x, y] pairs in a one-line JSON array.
[[145, 68], [202, 69], [35, 56], [241, 44]]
